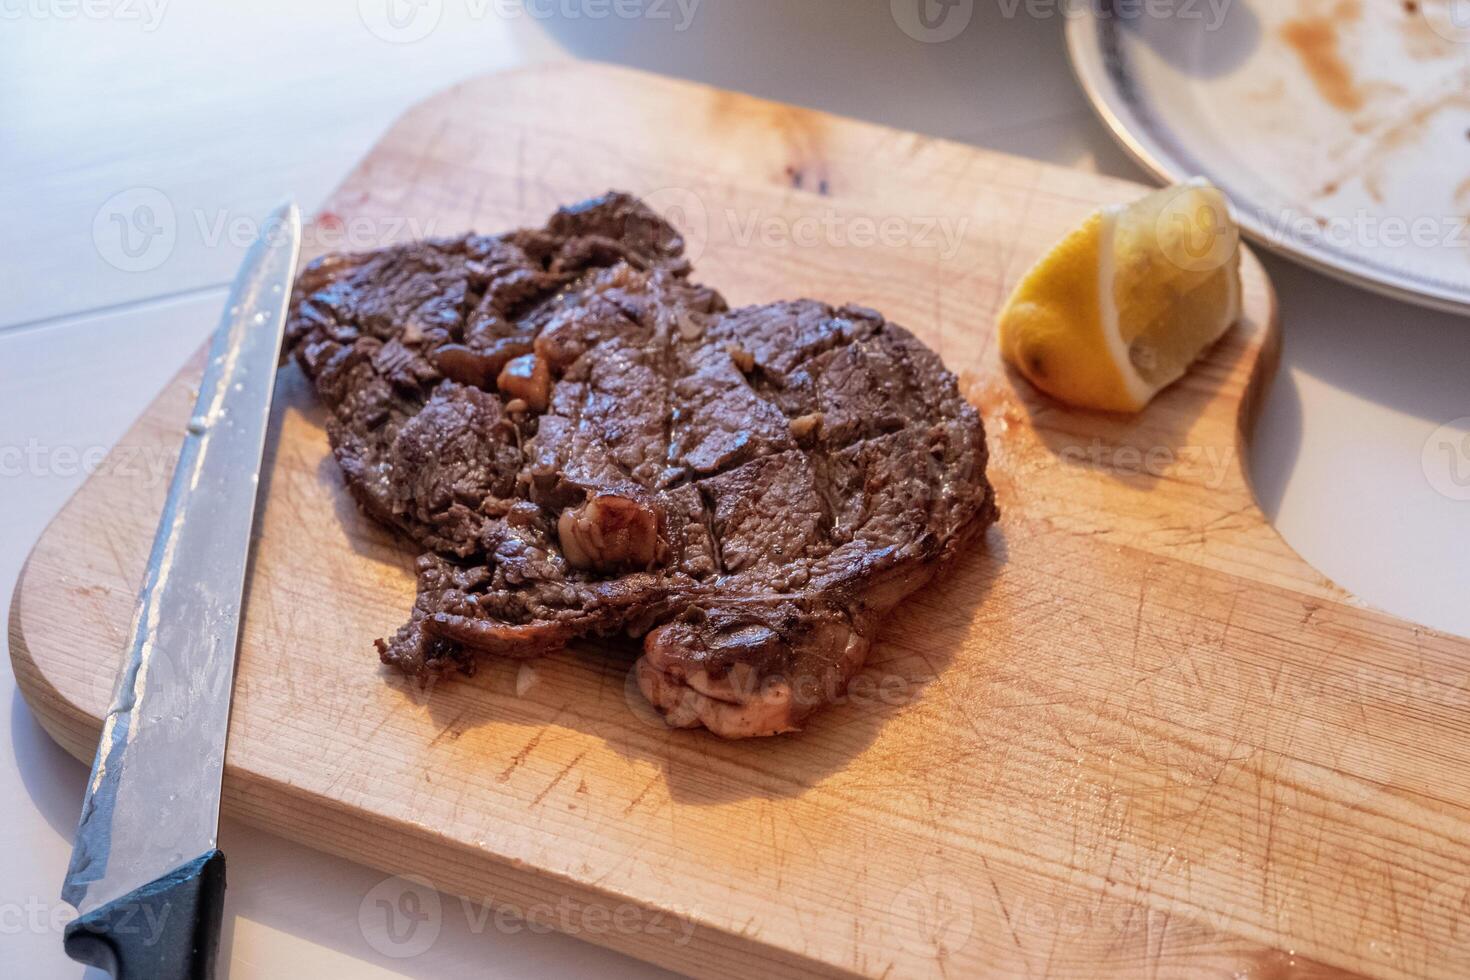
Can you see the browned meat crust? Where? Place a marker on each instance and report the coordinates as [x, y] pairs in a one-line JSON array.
[[589, 443]]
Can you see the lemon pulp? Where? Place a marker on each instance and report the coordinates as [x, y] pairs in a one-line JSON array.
[[1120, 308]]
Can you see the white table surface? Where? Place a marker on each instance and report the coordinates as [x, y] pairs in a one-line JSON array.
[[221, 110]]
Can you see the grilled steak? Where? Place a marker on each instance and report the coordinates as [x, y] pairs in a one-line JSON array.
[[590, 444]]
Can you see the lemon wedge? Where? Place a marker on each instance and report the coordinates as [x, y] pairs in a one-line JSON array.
[[1120, 308]]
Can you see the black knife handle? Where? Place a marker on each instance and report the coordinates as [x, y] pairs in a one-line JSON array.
[[165, 930]]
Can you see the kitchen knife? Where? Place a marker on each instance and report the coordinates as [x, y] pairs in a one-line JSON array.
[[147, 877]]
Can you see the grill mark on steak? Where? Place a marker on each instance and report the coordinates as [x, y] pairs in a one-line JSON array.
[[374, 331], [748, 490], [707, 518]]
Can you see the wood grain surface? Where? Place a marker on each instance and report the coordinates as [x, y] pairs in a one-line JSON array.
[[1134, 735]]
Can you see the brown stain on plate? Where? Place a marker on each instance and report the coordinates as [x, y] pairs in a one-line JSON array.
[[1317, 43], [1420, 39], [1408, 131], [1374, 163], [1316, 37]]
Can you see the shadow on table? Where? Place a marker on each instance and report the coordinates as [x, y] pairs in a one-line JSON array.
[[54, 780], [391, 925], [884, 72], [1200, 40], [322, 900], [1407, 359], [1403, 357]]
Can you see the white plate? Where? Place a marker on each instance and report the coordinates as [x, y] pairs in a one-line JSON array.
[[1340, 129]]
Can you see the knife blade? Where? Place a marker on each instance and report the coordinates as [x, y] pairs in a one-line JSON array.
[[146, 875]]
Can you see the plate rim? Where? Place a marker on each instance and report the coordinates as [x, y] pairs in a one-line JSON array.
[[1088, 58]]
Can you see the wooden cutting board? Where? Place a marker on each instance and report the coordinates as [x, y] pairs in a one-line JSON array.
[[1135, 735]]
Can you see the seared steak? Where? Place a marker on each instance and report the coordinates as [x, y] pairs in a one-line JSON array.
[[589, 443], [404, 343]]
